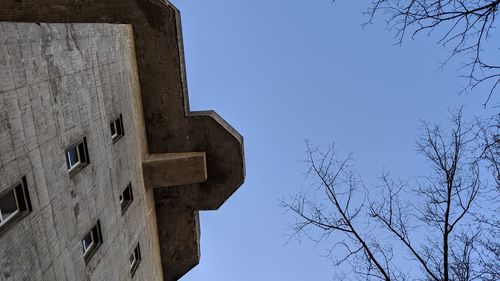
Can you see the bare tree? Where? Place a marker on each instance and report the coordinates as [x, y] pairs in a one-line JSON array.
[[462, 26], [444, 222], [489, 147]]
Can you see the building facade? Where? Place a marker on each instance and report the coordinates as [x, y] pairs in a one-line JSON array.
[[103, 167]]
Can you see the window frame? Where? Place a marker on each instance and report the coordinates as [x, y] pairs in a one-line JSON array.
[[10, 214], [117, 125], [122, 198], [22, 202], [80, 149], [68, 157], [87, 249], [134, 264], [95, 234]]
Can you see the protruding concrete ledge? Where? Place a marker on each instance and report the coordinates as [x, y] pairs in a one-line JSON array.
[[169, 124], [171, 169]]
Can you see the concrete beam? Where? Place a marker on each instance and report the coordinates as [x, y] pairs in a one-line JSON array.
[[172, 169]]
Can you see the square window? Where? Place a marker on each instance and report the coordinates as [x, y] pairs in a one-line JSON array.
[[77, 156], [14, 202], [8, 206], [91, 241], [116, 128], [135, 259], [126, 198]]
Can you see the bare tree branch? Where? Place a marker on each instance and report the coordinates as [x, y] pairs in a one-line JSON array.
[[450, 213], [462, 26]]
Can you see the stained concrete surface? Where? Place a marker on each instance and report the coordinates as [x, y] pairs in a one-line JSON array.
[[58, 84], [168, 124]]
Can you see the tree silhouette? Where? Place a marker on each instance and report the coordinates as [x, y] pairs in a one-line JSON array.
[[462, 26], [444, 221]]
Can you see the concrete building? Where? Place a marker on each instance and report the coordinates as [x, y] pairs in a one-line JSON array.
[[103, 167]]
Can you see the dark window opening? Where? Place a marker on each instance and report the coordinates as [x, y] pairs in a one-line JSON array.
[[77, 156], [91, 241], [14, 202], [8, 206], [116, 128], [126, 198], [135, 259]]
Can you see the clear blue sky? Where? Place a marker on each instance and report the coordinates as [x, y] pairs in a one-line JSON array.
[[282, 71]]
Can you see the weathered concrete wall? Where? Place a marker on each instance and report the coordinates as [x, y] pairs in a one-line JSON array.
[[170, 125], [167, 125], [58, 84]]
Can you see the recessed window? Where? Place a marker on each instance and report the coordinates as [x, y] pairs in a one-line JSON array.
[[116, 128], [9, 206], [135, 259], [126, 198], [91, 241], [77, 156], [14, 202]]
